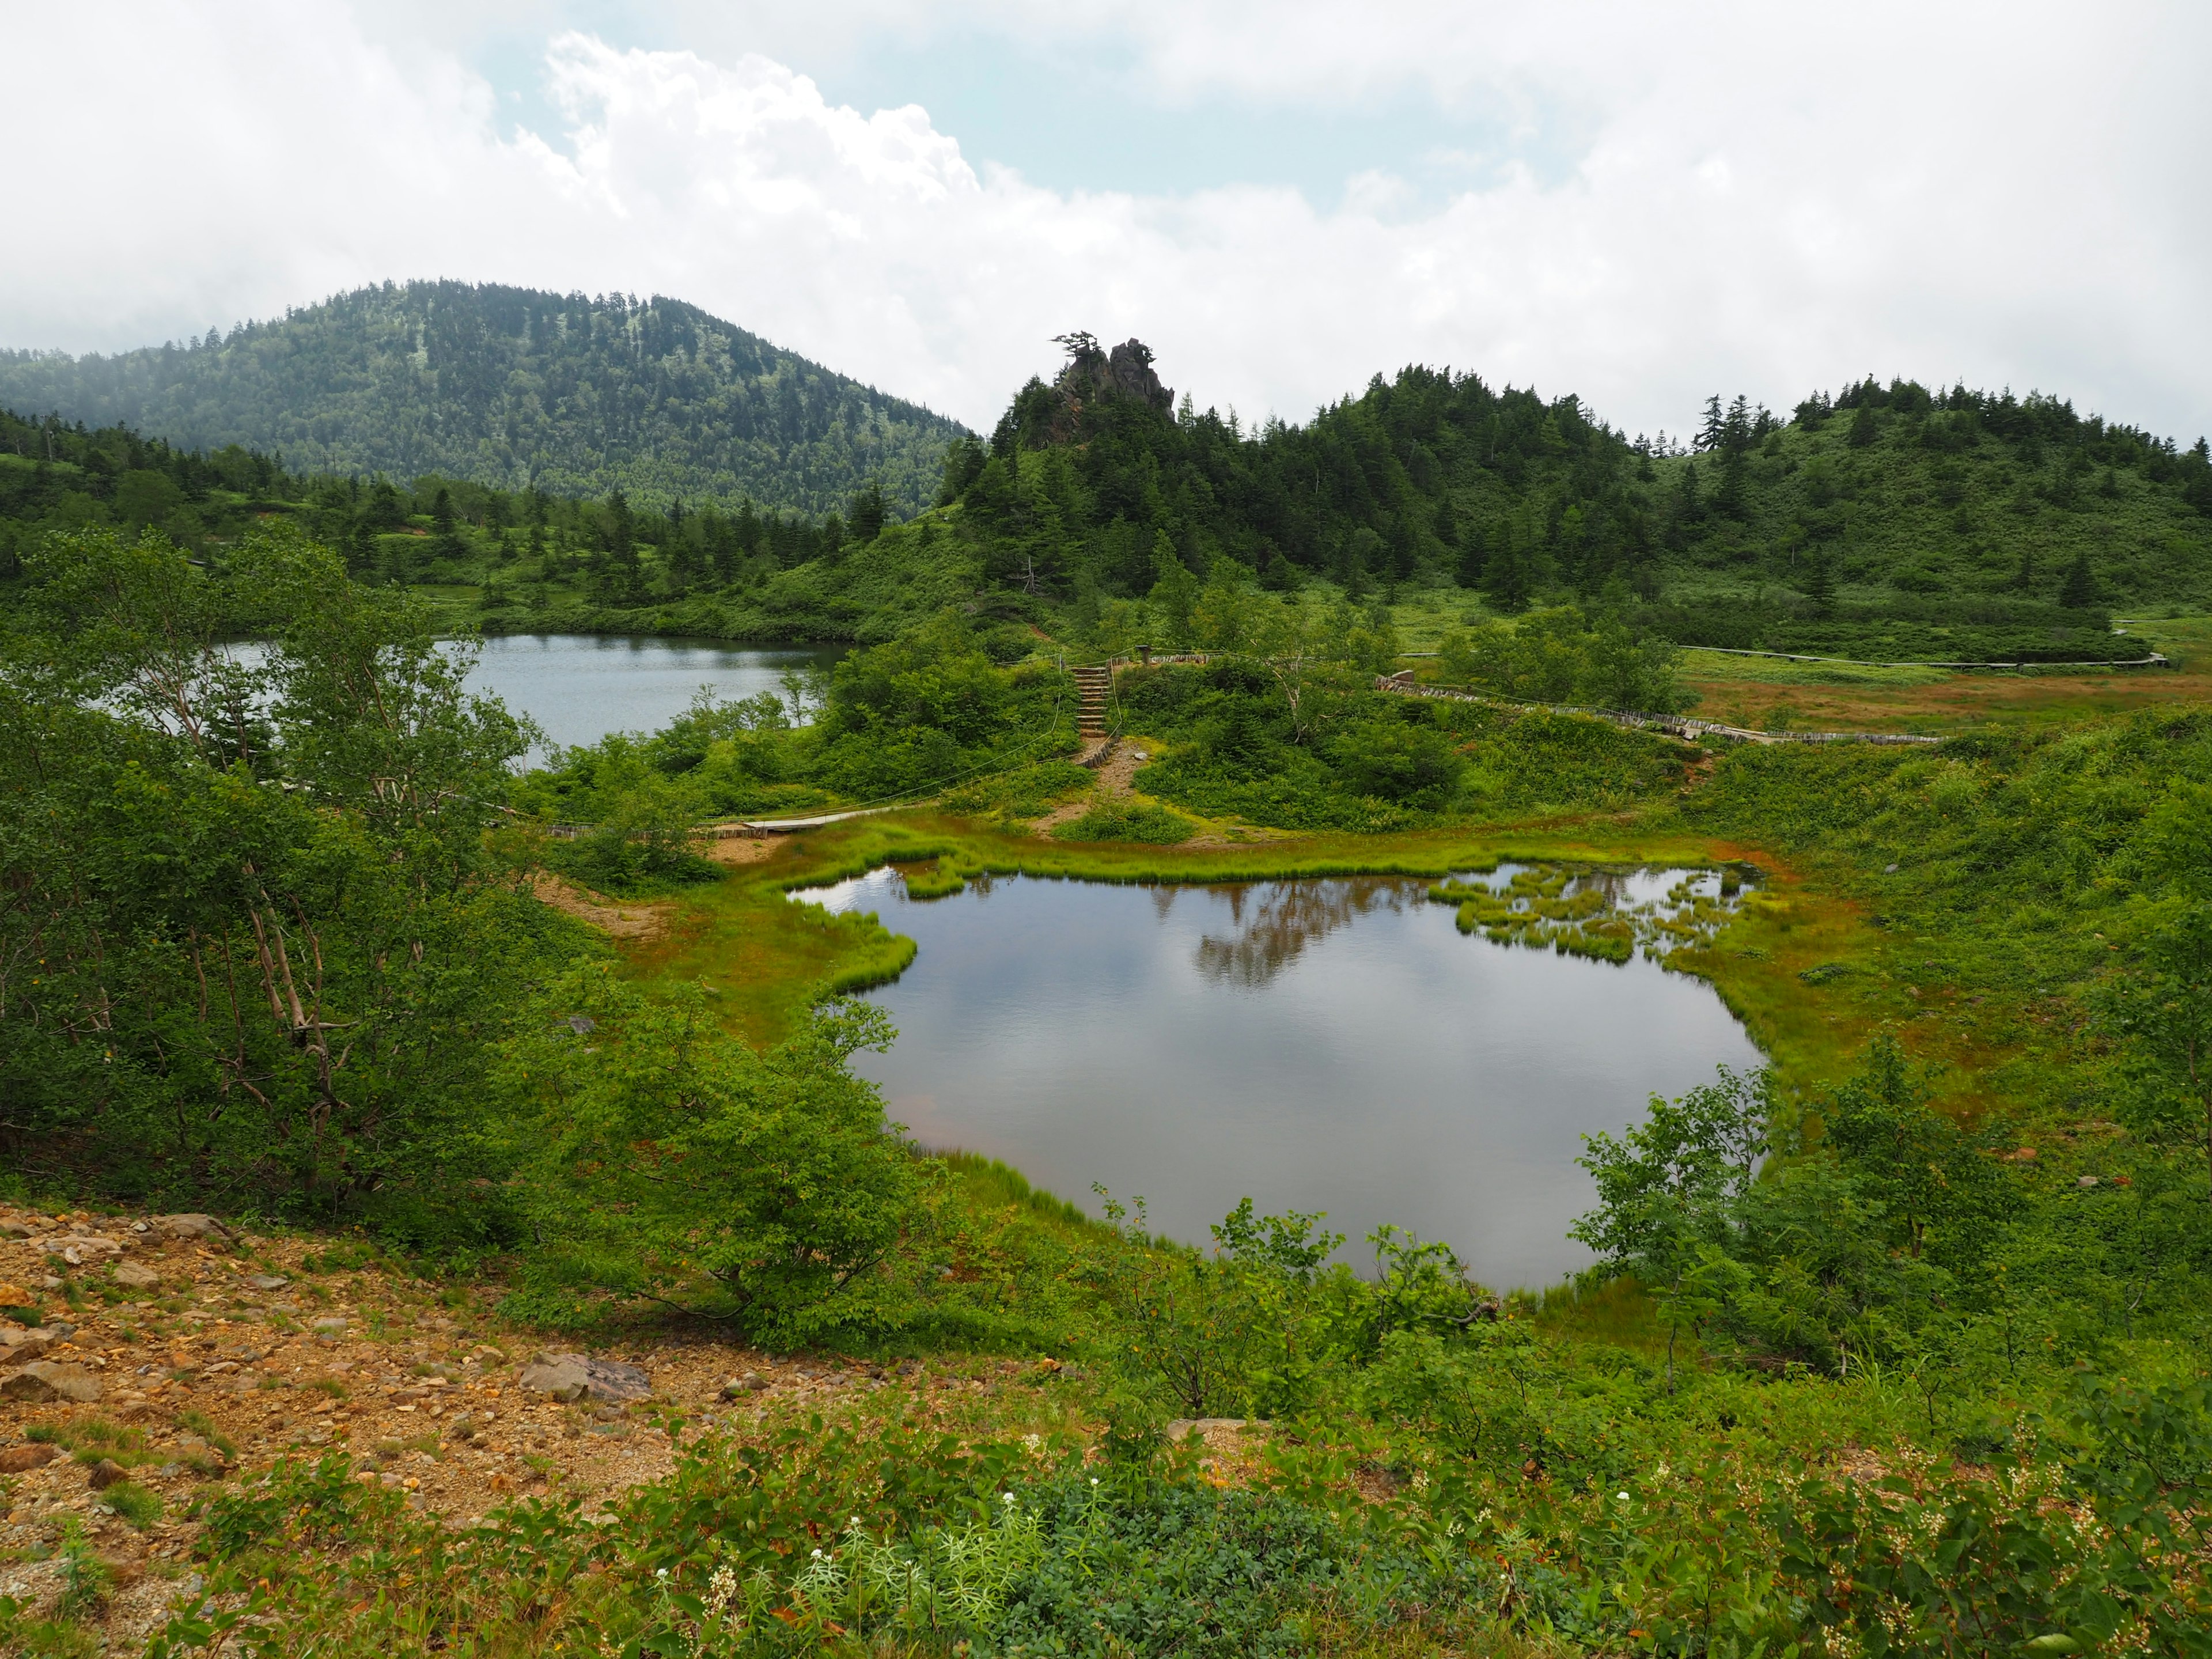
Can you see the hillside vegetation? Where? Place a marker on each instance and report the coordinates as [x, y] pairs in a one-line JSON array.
[[1895, 1345], [1885, 522], [513, 388]]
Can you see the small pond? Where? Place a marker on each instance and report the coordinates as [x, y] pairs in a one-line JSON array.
[[1352, 1046]]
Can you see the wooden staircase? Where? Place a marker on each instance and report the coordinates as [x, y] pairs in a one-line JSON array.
[[1093, 687]]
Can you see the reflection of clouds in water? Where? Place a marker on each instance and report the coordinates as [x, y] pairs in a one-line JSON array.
[[1398, 1072], [1287, 916]]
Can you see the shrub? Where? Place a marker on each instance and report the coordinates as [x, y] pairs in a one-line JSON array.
[[665, 1158], [1140, 821]]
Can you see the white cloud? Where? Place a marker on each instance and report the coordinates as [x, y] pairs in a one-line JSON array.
[[1758, 197]]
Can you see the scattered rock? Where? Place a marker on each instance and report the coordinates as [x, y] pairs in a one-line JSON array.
[[331, 1327], [137, 1276], [22, 1347], [13, 1295], [194, 1225], [751, 1383], [78, 1249], [105, 1473], [43, 1380], [2086, 1181], [14, 1230], [572, 1376], [1205, 1427], [19, 1460], [258, 1281]]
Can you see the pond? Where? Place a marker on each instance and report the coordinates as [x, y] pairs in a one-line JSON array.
[[1349, 1045], [580, 687]]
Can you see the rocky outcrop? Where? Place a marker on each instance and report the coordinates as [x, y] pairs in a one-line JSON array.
[[1126, 370]]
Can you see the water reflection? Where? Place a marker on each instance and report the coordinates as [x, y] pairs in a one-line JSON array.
[[1286, 917], [1332, 1045]]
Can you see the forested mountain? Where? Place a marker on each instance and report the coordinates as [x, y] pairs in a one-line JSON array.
[[1884, 521], [513, 388]]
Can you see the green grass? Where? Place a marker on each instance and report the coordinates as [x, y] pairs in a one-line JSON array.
[[137, 1505], [1772, 670], [1139, 821], [986, 1183]]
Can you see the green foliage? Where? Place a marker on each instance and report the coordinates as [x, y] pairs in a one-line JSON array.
[[1555, 656], [1374, 761], [1120, 820], [1025, 792], [265, 886], [1246, 1330], [1955, 526], [663, 1158]]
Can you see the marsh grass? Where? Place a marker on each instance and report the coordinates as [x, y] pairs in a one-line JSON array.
[[986, 1183]]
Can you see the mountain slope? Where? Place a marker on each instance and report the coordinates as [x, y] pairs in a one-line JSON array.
[[508, 387], [1888, 521]]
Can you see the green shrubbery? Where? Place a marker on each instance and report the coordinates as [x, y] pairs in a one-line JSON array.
[[1558, 656], [1349, 757], [931, 708], [661, 1157], [1120, 820]]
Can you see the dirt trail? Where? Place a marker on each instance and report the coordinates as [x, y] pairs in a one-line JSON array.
[[615, 918], [1117, 776]]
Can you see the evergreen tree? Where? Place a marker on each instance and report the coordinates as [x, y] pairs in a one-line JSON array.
[[1820, 587], [1474, 557], [1714, 431], [2079, 591], [868, 511], [445, 540], [1174, 590], [1506, 582], [1735, 430], [619, 539]]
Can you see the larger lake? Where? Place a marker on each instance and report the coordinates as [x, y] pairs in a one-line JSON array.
[[580, 687], [1332, 1045]]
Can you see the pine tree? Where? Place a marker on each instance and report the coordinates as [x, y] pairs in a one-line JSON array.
[[1505, 583], [1735, 430], [1820, 587], [868, 511], [1715, 429], [2079, 591]]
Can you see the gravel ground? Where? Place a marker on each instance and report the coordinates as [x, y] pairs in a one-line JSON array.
[[201, 1359]]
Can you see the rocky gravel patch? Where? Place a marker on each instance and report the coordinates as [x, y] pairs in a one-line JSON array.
[[172, 1355]]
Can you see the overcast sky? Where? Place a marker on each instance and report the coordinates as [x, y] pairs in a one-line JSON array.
[[1639, 203]]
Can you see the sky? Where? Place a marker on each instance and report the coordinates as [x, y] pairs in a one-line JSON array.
[[1638, 204]]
